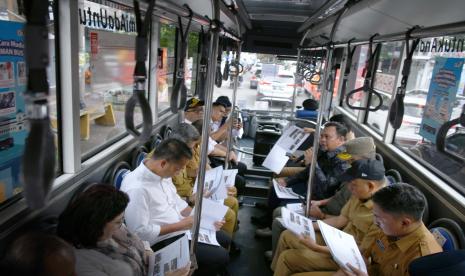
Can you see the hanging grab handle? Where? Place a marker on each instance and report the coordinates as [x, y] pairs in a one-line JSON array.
[[140, 75], [179, 94], [38, 163], [348, 66], [226, 69], [442, 134], [396, 111], [368, 83], [218, 75], [203, 65]]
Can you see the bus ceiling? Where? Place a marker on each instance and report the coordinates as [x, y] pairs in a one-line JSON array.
[[278, 26]]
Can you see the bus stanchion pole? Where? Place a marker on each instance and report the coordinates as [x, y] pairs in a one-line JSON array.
[[324, 97], [297, 73], [214, 30]]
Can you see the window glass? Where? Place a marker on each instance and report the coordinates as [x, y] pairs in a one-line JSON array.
[[192, 62], [356, 78], [13, 80], [428, 104], [106, 67], [166, 65], [385, 83]]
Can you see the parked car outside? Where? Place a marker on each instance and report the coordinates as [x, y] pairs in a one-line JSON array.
[[279, 88]]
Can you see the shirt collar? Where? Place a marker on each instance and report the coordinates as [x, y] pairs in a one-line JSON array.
[[187, 121], [147, 174], [335, 152], [368, 203], [406, 242]]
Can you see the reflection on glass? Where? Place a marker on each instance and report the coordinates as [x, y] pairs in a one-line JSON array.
[[356, 77], [166, 65], [409, 137]]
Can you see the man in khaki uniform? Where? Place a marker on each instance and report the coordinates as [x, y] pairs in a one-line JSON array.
[[299, 254], [398, 210]]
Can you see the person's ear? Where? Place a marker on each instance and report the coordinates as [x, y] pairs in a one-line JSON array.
[[371, 186], [406, 221], [163, 164]]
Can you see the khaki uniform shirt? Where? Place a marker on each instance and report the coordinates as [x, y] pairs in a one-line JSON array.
[[360, 224], [389, 256], [183, 183]]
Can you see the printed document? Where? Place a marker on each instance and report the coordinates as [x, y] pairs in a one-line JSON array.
[[214, 184], [343, 247], [205, 236], [297, 224], [276, 159], [284, 192], [171, 257], [229, 177]]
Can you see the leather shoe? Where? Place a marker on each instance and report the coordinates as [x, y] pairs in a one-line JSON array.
[[269, 255], [263, 232]]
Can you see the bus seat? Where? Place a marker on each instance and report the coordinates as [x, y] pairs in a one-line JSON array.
[[115, 175], [306, 114], [156, 140], [379, 157], [448, 234], [138, 156], [165, 131], [393, 176], [439, 264]]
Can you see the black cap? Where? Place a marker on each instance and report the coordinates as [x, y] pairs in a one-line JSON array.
[[192, 103], [369, 169], [224, 101]]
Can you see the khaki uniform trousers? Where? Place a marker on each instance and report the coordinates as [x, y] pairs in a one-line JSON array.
[[292, 256], [231, 215]]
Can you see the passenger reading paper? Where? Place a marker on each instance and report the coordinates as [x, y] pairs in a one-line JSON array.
[[298, 254]]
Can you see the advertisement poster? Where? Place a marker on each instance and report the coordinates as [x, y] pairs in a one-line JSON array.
[[12, 117], [441, 95]]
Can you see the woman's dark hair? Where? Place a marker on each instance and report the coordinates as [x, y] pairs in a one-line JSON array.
[[340, 118], [83, 220], [401, 198]]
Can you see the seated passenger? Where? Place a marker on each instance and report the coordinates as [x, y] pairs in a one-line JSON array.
[[193, 110], [310, 107], [338, 118], [298, 254], [356, 149], [39, 254], [158, 214], [185, 180], [93, 223], [237, 130], [398, 211]]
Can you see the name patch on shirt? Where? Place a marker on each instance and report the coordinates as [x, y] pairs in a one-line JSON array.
[[380, 245]]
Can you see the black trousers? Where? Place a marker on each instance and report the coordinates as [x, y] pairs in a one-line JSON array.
[[210, 259]]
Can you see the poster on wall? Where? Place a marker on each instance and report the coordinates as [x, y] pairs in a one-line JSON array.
[[12, 108], [441, 95]]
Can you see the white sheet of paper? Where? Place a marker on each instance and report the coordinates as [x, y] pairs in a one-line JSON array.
[[276, 159], [292, 138], [296, 207], [229, 177], [205, 236], [343, 247], [212, 211], [298, 224], [212, 179], [171, 257], [284, 192]]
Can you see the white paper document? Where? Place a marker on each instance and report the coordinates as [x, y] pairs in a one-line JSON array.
[[284, 192], [297, 224], [205, 236], [276, 159], [229, 177], [212, 211], [214, 184], [343, 247], [296, 207], [293, 136], [171, 257]]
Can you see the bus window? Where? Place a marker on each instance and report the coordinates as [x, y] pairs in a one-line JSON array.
[[410, 137], [384, 82], [13, 81], [191, 62], [166, 65], [356, 77]]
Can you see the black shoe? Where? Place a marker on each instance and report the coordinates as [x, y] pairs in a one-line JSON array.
[[234, 249], [260, 205], [240, 200], [261, 221]]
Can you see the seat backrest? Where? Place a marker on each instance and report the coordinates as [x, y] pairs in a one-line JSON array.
[[393, 176], [439, 264], [448, 234], [156, 141], [115, 174], [306, 114], [138, 156]]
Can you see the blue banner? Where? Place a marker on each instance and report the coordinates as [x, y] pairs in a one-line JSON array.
[[13, 83], [441, 95]]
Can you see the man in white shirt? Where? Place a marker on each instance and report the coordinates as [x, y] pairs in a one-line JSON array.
[[158, 215]]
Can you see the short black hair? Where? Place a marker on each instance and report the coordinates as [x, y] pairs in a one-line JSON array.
[[218, 104], [172, 150], [185, 132], [341, 130], [401, 198], [83, 220], [27, 255], [342, 119], [310, 104]]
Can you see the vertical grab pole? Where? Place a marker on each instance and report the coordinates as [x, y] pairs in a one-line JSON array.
[[214, 28], [235, 85], [324, 98], [296, 74]]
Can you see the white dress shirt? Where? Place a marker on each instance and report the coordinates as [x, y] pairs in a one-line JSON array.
[[153, 203]]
